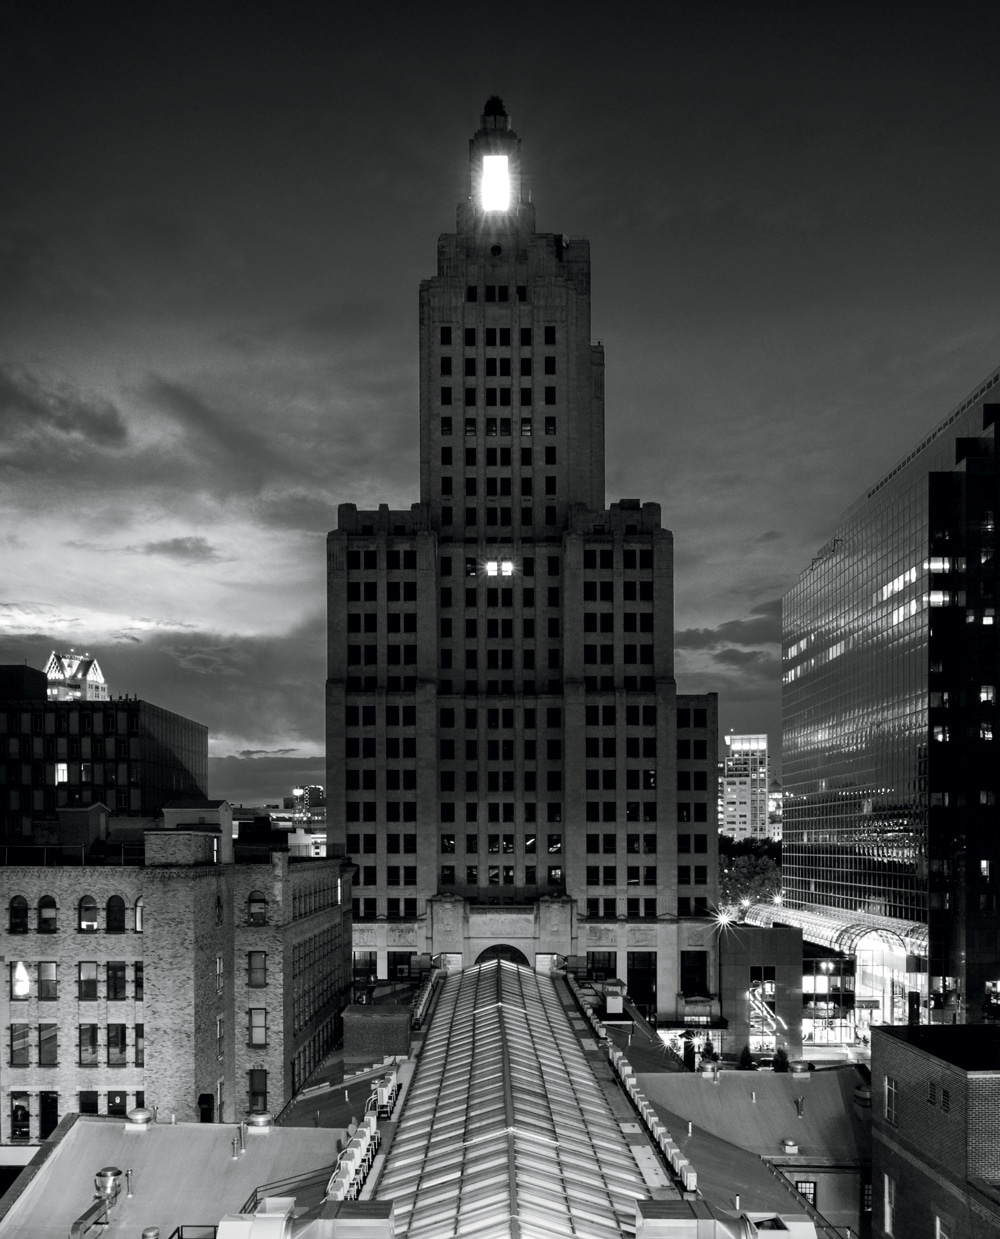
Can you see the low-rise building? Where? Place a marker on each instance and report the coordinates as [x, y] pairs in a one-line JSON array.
[[196, 974], [936, 1131]]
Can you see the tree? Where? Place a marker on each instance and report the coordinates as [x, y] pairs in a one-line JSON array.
[[746, 1062], [781, 1059], [753, 878]]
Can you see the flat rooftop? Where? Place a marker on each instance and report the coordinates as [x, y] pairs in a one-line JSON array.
[[184, 1173], [970, 1047]]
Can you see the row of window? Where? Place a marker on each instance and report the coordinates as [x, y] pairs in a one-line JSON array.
[[367, 909], [494, 337], [500, 516], [357, 844], [501, 486], [48, 1110], [505, 688], [88, 1047], [607, 908], [316, 898], [495, 366], [98, 721], [502, 843], [635, 875], [494, 456], [500, 875], [64, 748], [41, 980], [395, 875], [395, 621], [498, 396], [87, 915], [406, 560], [503, 717]]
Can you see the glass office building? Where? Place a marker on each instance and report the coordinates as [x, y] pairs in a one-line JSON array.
[[890, 669]]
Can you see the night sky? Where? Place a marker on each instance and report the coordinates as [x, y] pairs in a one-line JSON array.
[[213, 223]]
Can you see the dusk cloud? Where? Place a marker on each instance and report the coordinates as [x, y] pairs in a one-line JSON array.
[[762, 626], [30, 411], [190, 548]]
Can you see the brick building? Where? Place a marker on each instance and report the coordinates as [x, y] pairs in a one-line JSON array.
[[196, 974], [509, 761], [936, 1131]]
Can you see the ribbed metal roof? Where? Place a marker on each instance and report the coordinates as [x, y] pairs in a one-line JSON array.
[[505, 1130]]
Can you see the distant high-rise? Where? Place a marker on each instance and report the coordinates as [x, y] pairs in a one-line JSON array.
[[891, 662], [74, 752], [745, 773], [508, 759], [75, 677]]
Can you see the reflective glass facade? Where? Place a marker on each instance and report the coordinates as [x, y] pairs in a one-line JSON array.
[[889, 667]]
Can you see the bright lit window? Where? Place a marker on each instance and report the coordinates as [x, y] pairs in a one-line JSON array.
[[20, 982], [499, 567], [506, 567], [62, 772], [496, 183], [492, 567]]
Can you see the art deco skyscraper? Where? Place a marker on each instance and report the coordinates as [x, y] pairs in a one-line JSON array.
[[505, 741]]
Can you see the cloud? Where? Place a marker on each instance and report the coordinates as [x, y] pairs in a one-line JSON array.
[[743, 658], [220, 659], [761, 627], [31, 412], [190, 548], [255, 753]]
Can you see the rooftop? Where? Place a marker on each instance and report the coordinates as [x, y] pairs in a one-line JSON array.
[[506, 1117], [970, 1047], [183, 1173]]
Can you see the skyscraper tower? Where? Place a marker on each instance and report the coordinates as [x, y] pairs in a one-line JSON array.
[[890, 668], [504, 743], [745, 771]]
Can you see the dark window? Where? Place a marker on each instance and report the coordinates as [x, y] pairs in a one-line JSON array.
[[48, 1045], [694, 973], [19, 915], [116, 980], [257, 1090], [88, 1045], [116, 1045], [115, 915], [47, 919]]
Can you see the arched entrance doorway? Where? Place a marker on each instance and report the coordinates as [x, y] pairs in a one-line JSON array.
[[502, 951]]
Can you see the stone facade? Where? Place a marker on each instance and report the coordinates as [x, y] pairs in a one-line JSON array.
[[503, 723], [216, 965]]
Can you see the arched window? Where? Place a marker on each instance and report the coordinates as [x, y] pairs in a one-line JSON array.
[[47, 918], [19, 915], [138, 915], [256, 909], [115, 918], [87, 915]]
